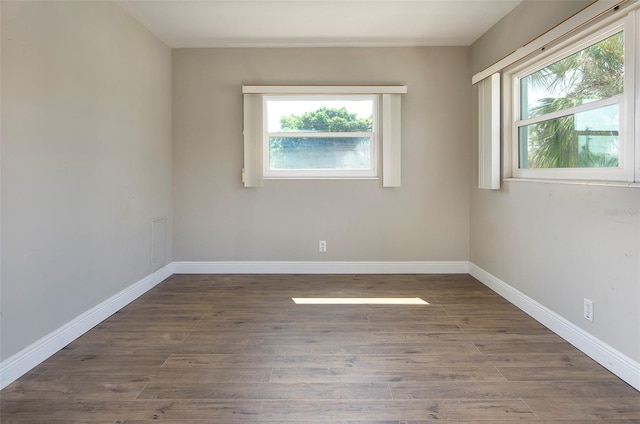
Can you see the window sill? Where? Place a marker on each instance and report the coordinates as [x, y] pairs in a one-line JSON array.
[[625, 184], [320, 178]]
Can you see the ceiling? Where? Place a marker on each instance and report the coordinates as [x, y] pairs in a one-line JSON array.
[[303, 23]]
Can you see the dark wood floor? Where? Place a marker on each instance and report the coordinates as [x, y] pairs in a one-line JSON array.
[[236, 349]]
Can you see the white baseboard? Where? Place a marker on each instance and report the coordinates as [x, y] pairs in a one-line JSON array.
[[616, 362], [322, 267], [17, 365]]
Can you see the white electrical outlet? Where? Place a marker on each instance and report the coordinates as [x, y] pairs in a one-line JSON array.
[[588, 310], [322, 246]]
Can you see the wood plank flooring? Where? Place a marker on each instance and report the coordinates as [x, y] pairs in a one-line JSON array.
[[236, 349]]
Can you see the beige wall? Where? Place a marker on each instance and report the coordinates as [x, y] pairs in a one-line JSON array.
[[522, 25], [216, 219], [86, 160], [561, 243]]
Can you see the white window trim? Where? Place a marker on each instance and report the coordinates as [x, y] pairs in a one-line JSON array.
[[388, 128], [489, 133], [391, 136], [628, 141], [324, 89]]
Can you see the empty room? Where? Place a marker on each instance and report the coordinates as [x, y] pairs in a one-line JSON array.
[[320, 211]]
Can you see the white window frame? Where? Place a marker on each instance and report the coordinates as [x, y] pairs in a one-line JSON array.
[[628, 141], [371, 172], [388, 130]]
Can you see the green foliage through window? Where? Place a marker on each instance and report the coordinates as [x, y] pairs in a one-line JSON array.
[[327, 120], [585, 139]]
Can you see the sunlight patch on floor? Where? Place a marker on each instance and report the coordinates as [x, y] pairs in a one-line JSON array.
[[359, 301]]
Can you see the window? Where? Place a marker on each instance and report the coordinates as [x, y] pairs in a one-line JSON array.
[[572, 109], [322, 132], [320, 136]]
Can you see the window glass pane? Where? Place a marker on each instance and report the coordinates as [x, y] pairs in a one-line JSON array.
[[584, 140], [594, 73], [322, 115], [343, 153]]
